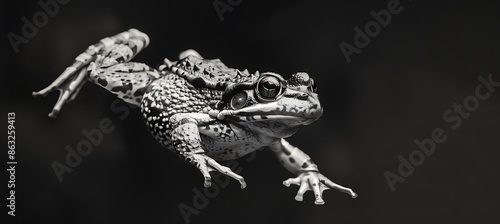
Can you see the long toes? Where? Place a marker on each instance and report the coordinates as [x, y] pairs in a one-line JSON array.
[[299, 197], [290, 181], [302, 189], [208, 181], [243, 184], [237, 177], [63, 97], [42, 92], [138, 34], [354, 195], [53, 114], [226, 171], [314, 183], [286, 183], [76, 85], [319, 201]]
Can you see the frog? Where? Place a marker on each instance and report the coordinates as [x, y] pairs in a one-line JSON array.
[[204, 111]]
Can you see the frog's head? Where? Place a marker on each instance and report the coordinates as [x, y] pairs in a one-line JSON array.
[[275, 106]]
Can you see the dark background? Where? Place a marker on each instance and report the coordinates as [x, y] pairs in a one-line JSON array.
[[396, 90]]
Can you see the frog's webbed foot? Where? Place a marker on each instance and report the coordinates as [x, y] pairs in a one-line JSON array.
[[316, 182], [69, 84], [109, 52], [187, 142], [309, 178], [206, 165]]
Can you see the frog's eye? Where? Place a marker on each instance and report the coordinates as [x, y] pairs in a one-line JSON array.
[[239, 100], [269, 87]]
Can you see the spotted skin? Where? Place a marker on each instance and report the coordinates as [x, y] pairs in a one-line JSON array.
[[203, 110]]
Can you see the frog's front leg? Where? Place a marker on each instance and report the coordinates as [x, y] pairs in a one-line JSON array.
[[187, 142], [309, 178]]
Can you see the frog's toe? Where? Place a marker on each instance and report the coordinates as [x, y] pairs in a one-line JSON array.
[[226, 171], [300, 193], [354, 195], [330, 184], [208, 182], [206, 165], [205, 171], [68, 85], [135, 33], [290, 181], [39, 93], [308, 181], [53, 114]]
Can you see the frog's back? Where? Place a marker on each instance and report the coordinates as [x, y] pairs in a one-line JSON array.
[[173, 94], [213, 70]]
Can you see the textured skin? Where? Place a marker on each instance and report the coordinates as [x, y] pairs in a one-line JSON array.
[[172, 95], [203, 110]]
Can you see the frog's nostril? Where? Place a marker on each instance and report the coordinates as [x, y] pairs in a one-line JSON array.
[[302, 96]]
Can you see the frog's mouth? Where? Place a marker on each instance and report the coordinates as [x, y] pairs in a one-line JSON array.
[[248, 117], [260, 116], [298, 115]]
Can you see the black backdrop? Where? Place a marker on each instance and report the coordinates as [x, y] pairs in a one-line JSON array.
[[394, 91]]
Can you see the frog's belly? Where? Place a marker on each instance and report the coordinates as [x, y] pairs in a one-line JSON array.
[[226, 150]]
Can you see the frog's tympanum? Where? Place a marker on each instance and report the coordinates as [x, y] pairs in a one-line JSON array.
[[202, 110]]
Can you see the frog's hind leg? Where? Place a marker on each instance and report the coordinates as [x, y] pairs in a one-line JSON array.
[[105, 61], [129, 81]]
